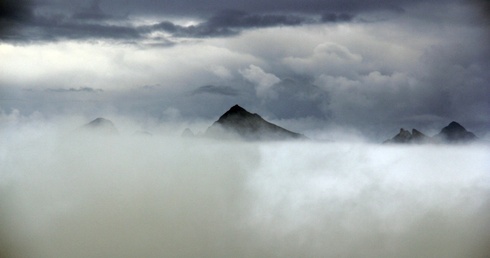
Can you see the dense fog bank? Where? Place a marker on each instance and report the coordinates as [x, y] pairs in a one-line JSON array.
[[73, 194]]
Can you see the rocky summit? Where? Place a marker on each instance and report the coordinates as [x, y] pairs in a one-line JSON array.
[[239, 123], [453, 133]]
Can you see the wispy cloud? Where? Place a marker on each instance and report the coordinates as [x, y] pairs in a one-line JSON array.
[[81, 89], [217, 90]]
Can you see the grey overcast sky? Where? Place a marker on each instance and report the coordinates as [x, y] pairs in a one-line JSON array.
[[370, 66]]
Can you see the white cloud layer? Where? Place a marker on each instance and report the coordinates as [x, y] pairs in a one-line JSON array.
[[66, 194]]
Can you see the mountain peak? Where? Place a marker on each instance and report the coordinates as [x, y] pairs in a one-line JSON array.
[[100, 121], [239, 122], [402, 137], [455, 126], [454, 132], [236, 111], [418, 136], [101, 125]]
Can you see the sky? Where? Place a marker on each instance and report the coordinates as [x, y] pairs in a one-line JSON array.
[[370, 67]]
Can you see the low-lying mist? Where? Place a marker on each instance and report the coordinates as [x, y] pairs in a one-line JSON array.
[[72, 194]]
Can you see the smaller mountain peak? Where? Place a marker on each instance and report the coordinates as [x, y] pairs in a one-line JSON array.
[[404, 133], [100, 121], [415, 131], [102, 125], [402, 137], [418, 136], [455, 132]]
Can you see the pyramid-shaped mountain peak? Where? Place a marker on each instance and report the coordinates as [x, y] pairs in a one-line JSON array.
[[455, 126], [238, 122], [237, 111], [454, 132]]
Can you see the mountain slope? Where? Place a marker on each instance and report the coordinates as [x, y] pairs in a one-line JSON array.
[[238, 122]]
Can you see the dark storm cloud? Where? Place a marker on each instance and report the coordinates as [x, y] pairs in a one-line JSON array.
[[228, 23], [484, 7], [20, 24], [12, 14], [92, 12], [337, 17], [209, 7], [22, 21], [90, 24], [217, 90], [14, 10], [52, 20], [59, 28], [29, 21], [238, 19]]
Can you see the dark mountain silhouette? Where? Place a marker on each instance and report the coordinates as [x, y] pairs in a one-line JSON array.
[[402, 137], [418, 137], [455, 132], [238, 122], [101, 125], [452, 133], [405, 136]]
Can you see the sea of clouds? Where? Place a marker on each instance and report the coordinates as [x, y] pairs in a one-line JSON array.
[[67, 193]]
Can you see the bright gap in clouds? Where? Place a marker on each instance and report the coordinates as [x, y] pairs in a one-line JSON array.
[[65, 193]]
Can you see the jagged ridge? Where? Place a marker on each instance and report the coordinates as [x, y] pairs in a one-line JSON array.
[[454, 132]]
